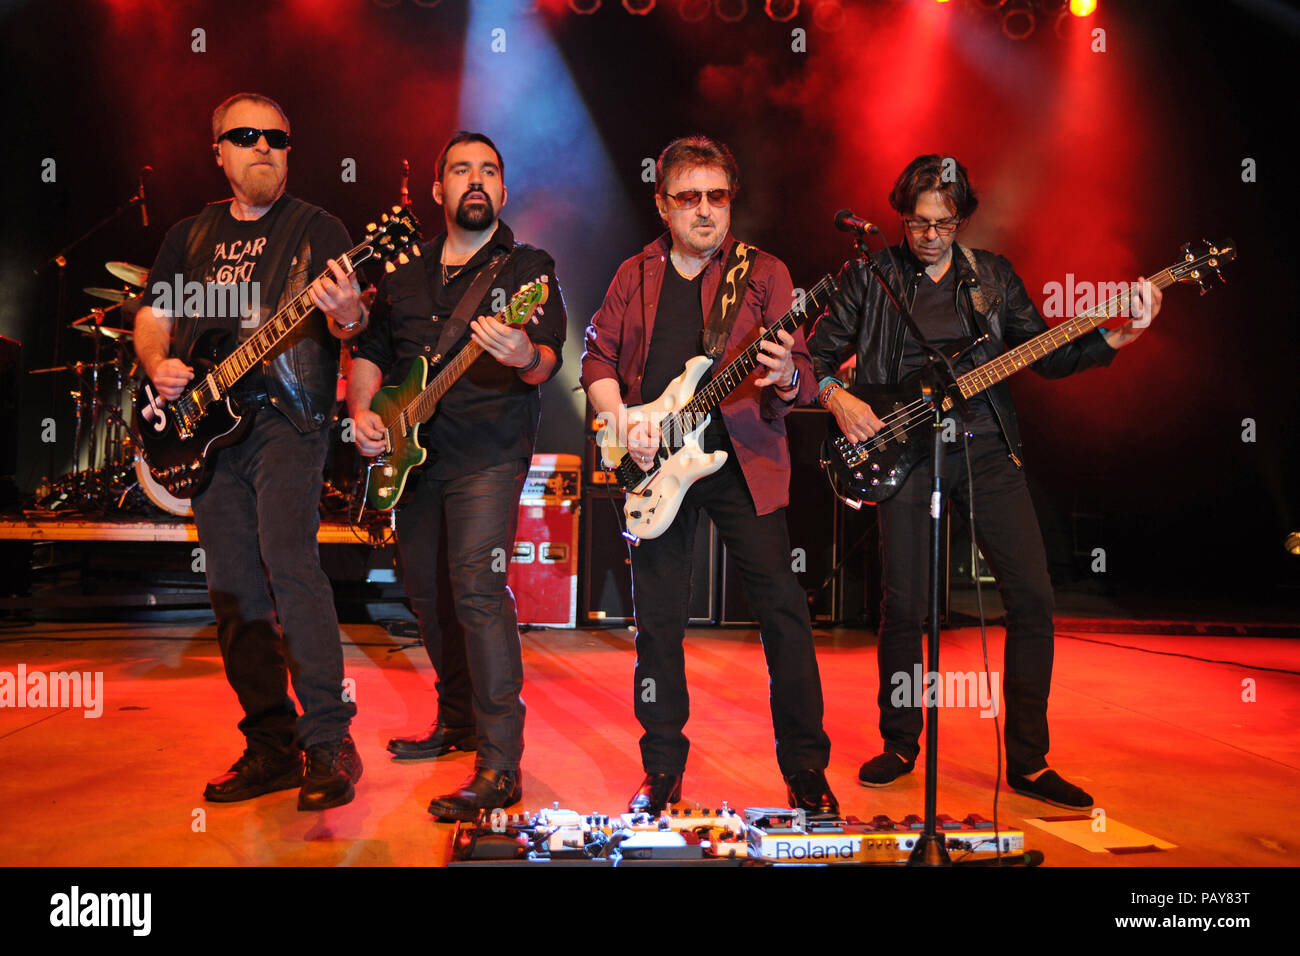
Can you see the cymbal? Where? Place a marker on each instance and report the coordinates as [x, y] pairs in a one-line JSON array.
[[93, 324], [136, 275], [112, 295]]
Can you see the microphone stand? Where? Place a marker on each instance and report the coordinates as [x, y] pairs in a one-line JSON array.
[[939, 381]]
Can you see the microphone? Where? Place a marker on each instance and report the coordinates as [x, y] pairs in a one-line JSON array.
[[144, 209], [845, 221]]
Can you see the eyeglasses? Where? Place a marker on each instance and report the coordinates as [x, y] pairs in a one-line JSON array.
[[690, 198], [247, 136], [944, 227]]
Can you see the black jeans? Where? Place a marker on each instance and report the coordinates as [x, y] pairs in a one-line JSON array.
[[460, 533], [1006, 529], [257, 522], [661, 587]]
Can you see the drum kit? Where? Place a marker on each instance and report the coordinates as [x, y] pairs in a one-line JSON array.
[[108, 473]]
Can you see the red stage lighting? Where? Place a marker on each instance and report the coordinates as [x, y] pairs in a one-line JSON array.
[[731, 11], [639, 7], [782, 10], [1018, 19], [828, 15], [1083, 8], [584, 6], [693, 11]]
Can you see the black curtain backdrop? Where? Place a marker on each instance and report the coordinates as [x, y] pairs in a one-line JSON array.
[[1096, 164]]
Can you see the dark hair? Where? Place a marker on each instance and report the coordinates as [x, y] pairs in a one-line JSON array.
[[693, 151], [219, 114], [934, 172], [466, 136]]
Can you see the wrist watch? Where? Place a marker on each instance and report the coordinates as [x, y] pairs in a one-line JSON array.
[[351, 325]]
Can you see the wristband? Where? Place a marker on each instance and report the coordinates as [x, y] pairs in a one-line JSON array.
[[536, 361], [826, 392]]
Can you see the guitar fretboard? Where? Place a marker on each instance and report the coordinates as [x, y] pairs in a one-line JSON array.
[[738, 369], [1025, 354], [418, 410]]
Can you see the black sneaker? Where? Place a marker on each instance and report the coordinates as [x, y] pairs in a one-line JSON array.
[[1051, 787], [257, 772], [884, 769], [332, 770]]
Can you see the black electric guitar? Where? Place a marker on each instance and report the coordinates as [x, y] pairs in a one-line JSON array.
[[869, 472], [180, 438]]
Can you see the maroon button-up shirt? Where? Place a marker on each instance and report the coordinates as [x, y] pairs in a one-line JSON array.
[[618, 341]]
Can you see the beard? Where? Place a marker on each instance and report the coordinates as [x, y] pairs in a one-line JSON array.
[[263, 185], [477, 218]]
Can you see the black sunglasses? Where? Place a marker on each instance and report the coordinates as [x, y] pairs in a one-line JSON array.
[[248, 136]]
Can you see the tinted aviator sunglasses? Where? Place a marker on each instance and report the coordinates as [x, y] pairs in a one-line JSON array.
[[690, 198], [248, 136]]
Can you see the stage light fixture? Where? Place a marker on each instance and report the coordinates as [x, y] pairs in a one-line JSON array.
[[639, 7], [1083, 8], [1018, 19], [828, 15], [782, 10], [731, 11], [693, 11], [1292, 543], [584, 6]]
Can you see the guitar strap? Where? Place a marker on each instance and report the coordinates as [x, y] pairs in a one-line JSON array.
[[726, 304], [469, 302], [976, 292]]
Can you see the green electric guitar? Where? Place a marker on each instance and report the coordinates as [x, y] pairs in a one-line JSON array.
[[405, 407]]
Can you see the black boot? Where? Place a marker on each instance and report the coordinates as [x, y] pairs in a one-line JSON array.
[[808, 791], [257, 772], [657, 790], [488, 789], [434, 742], [333, 768]]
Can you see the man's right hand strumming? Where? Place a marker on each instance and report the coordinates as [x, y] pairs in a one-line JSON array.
[[368, 430], [856, 419], [170, 376]]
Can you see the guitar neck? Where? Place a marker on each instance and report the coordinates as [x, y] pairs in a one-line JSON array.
[[426, 403], [1040, 346], [739, 368], [262, 342]]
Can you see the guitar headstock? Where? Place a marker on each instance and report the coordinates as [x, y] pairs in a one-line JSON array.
[[391, 237], [524, 303], [1196, 267]]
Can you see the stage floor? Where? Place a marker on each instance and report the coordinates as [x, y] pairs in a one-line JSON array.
[[1154, 726]]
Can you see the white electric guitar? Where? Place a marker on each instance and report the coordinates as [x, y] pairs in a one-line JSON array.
[[655, 496]]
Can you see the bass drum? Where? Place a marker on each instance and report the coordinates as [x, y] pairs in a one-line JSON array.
[[156, 493]]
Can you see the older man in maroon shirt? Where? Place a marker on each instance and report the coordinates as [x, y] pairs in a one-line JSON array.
[[651, 322]]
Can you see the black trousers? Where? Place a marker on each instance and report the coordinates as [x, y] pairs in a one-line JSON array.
[[661, 586], [257, 522], [457, 535], [1006, 529]]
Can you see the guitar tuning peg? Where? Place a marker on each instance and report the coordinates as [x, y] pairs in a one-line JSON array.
[[371, 227], [402, 258], [397, 210], [384, 218], [389, 267], [415, 251]]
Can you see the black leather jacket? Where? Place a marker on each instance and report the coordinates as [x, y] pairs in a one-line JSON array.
[[861, 317]]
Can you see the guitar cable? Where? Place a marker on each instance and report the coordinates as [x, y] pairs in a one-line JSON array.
[[984, 639]]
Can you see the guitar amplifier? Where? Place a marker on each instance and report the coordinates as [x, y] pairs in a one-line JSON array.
[[543, 572], [607, 572]]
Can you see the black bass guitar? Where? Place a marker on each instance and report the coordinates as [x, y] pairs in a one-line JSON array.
[[181, 438], [871, 471]]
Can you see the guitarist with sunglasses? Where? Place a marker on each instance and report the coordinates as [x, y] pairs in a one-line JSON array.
[[258, 516], [956, 293], [456, 526], [665, 306]]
